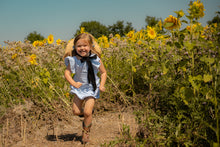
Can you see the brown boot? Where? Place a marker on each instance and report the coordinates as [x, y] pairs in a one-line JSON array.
[[85, 133]]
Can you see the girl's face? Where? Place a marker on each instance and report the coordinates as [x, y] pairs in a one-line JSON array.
[[83, 47]]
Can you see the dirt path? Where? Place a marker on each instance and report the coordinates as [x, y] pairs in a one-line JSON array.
[[106, 127]]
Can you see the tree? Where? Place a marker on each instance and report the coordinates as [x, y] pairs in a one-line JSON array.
[[34, 36], [128, 27], [119, 28], [215, 19], [93, 27], [151, 21]]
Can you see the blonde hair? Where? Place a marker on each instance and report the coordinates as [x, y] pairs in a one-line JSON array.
[[94, 45]]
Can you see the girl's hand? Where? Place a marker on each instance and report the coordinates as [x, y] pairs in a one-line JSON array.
[[77, 84], [102, 88]]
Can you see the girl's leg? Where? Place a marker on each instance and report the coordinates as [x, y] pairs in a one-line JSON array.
[[87, 123], [77, 106], [88, 108]]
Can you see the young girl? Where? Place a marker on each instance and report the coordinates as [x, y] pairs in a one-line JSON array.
[[82, 58]]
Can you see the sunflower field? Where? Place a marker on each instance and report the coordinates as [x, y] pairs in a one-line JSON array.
[[170, 79]]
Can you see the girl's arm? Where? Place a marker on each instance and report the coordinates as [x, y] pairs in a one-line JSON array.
[[68, 77], [103, 77]]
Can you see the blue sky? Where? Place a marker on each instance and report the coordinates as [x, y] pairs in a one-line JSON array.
[[62, 18]]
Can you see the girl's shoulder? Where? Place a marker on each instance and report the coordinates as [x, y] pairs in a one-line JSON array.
[[96, 62], [70, 59]]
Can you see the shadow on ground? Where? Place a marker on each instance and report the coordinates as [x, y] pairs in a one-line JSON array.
[[66, 137]]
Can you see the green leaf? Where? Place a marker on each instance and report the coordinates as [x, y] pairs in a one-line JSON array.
[[215, 144], [177, 44], [199, 78], [168, 24], [184, 21], [207, 60], [207, 78], [151, 68], [141, 62], [165, 70], [146, 77], [195, 81], [47, 74], [45, 80], [188, 45], [134, 69]]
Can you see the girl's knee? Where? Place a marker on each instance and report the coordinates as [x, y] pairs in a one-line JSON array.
[[87, 113], [76, 112]]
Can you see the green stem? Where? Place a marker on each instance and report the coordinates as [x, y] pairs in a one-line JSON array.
[[216, 109], [193, 65], [193, 60], [132, 82]]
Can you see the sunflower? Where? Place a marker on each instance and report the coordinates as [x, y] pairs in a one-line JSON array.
[[50, 39], [196, 9], [103, 41], [117, 36], [130, 34], [151, 33], [36, 43], [171, 23]]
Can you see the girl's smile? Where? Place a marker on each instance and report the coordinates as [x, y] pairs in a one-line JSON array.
[[83, 47]]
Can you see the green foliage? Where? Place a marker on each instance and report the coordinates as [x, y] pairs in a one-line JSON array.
[[120, 28], [97, 29], [215, 19], [175, 83], [21, 80], [94, 27], [172, 82], [34, 36], [151, 21]]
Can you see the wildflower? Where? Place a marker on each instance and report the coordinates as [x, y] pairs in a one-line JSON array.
[[58, 41], [117, 36], [45, 40], [215, 25], [40, 43], [103, 41], [160, 25], [179, 13], [130, 34], [196, 9], [50, 39], [202, 34], [139, 42], [151, 32], [14, 56], [82, 30], [188, 28], [51, 87], [32, 59], [112, 41], [171, 23], [193, 27], [161, 37], [140, 34], [67, 95]]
